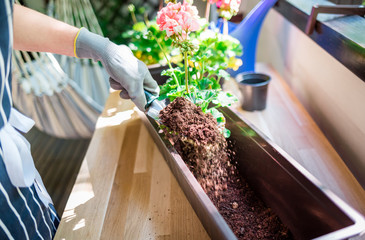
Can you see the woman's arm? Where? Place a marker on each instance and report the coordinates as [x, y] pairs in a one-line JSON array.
[[37, 32], [34, 31]]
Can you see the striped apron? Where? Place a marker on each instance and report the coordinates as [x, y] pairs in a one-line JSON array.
[[26, 210]]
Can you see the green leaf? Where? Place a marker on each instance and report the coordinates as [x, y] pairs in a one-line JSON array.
[[216, 84], [139, 27], [223, 74], [217, 115], [165, 88], [225, 99], [179, 73], [204, 97], [128, 34], [226, 133], [175, 92], [205, 83]]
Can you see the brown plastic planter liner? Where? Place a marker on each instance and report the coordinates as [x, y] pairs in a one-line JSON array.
[[156, 70], [309, 209]]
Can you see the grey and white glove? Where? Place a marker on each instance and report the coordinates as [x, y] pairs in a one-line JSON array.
[[127, 73]]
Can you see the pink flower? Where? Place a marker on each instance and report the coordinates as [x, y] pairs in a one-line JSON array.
[[178, 20], [186, 7], [217, 2], [227, 8]]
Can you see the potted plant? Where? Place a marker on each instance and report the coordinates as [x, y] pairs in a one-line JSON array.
[[151, 45], [215, 174], [198, 79]]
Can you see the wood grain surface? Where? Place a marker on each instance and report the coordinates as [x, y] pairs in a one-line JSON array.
[[125, 189]]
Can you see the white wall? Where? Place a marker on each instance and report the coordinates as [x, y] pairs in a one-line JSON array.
[[332, 94]]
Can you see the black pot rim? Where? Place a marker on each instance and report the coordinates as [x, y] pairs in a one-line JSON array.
[[242, 77]]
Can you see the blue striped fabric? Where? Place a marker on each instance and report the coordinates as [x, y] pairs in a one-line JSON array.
[[22, 214], [6, 36]]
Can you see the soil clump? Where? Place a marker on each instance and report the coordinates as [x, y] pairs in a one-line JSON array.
[[204, 149]]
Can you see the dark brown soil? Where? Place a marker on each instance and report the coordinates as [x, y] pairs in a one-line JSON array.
[[196, 137], [247, 215]]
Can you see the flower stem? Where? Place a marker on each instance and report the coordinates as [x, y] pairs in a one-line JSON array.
[[134, 17], [167, 59], [147, 22], [202, 71], [186, 71]]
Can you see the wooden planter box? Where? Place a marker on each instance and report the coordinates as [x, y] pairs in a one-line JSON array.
[[303, 204]]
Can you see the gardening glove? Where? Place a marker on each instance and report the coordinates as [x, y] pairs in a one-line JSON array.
[[127, 73]]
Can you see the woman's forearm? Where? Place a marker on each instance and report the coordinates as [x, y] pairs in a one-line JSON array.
[[34, 31]]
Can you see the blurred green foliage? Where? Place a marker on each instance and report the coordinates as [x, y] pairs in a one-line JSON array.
[[114, 16], [145, 42], [217, 51]]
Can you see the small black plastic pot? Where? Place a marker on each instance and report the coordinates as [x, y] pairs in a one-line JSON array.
[[254, 87]]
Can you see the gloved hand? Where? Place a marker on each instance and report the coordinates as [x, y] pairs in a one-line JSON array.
[[127, 73]]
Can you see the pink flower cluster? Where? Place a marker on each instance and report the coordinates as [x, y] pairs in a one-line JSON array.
[[227, 8], [178, 20]]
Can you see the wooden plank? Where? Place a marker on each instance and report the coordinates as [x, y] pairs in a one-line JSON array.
[[124, 188], [160, 197], [124, 182], [85, 210], [144, 151]]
